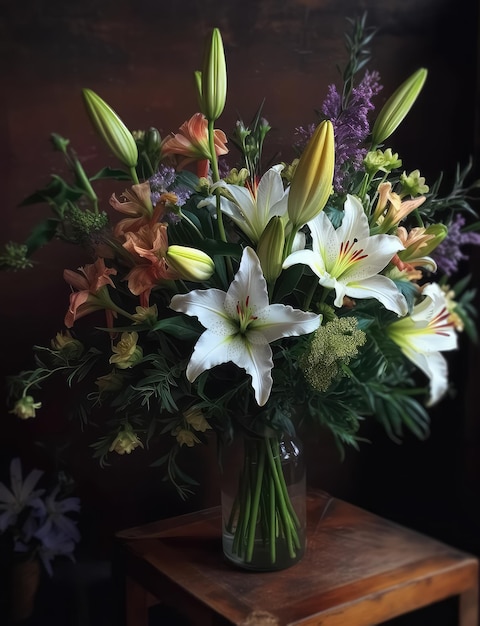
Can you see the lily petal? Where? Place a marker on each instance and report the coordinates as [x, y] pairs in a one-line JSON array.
[[382, 289]]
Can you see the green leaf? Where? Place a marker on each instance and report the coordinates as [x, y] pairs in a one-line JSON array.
[[189, 179], [41, 234], [184, 328], [111, 173], [57, 192], [220, 248], [286, 282]]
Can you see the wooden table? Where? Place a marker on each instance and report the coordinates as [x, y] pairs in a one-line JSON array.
[[359, 569]]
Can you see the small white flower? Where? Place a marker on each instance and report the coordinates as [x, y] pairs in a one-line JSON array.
[[240, 324], [349, 259], [251, 209]]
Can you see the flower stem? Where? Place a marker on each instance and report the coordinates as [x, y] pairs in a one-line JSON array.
[[133, 174]]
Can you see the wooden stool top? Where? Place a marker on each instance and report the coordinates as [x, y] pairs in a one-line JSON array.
[[358, 569]]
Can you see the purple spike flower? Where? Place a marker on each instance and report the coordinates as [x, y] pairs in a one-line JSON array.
[[448, 254], [350, 125]]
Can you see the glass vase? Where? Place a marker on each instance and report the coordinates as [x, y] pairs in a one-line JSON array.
[[263, 502]]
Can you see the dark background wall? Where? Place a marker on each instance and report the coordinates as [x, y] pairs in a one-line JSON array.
[[139, 56]]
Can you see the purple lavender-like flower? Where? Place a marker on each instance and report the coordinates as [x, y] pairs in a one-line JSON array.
[[448, 254], [164, 180], [223, 167], [351, 126]]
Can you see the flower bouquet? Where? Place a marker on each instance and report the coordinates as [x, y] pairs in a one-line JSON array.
[[252, 302]]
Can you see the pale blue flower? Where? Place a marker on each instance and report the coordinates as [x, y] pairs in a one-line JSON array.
[[20, 495]]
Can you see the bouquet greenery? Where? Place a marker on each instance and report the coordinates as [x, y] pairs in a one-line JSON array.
[[222, 295]]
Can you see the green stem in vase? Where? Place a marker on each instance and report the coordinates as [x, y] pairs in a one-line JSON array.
[[272, 523], [262, 516], [289, 526], [257, 485]]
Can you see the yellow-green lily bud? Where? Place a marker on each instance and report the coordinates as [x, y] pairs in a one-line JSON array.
[[111, 129], [439, 232], [397, 106], [312, 182], [190, 263], [213, 88], [235, 177], [270, 248]]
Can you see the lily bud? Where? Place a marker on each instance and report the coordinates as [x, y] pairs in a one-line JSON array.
[[312, 182], [213, 88], [270, 248], [111, 129], [397, 106], [190, 263], [439, 232]]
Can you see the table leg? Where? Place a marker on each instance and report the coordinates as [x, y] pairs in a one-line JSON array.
[[468, 608], [136, 603]]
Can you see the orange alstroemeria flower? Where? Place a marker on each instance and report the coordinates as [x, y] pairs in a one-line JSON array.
[[192, 141], [92, 294], [148, 247], [136, 202], [413, 256], [391, 209]]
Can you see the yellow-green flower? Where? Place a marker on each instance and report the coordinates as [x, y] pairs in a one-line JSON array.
[[145, 314], [25, 407], [113, 381], [332, 345], [185, 437], [381, 161], [67, 345], [126, 352], [126, 441], [196, 419], [413, 184]]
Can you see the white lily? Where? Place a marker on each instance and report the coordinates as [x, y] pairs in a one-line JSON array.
[[251, 209], [424, 334], [240, 324], [349, 260]]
